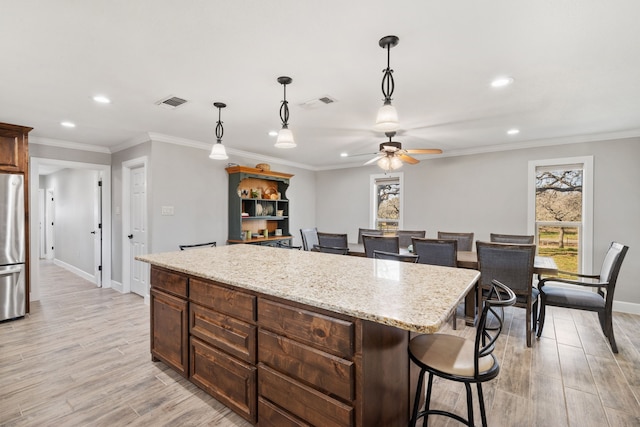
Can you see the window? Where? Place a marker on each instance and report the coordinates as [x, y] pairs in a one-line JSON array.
[[560, 211], [386, 202]]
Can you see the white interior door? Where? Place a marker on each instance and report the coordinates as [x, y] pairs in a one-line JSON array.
[[137, 236], [41, 219]]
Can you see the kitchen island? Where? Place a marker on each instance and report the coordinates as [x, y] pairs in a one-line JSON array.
[[294, 338]]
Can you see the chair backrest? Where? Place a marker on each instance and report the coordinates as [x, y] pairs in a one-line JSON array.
[[368, 231], [507, 263], [405, 236], [611, 267], [436, 251], [380, 243], [336, 241], [517, 239], [465, 240], [491, 323], [309, 238], [330, 249], [198, 245], [395, 257]]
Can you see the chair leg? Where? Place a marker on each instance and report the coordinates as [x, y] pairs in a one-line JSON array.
[[483, 413], [541, 315], [416, 403], [607, 328], [427, 401], [528, 323], [469, 404]]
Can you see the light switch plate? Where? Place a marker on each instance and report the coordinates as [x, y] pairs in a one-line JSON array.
[[166, 210]]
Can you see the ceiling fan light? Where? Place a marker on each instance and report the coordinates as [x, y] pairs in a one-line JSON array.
[[387, 119], [218, 152], [384, 163], [285, 139], [395, 163]]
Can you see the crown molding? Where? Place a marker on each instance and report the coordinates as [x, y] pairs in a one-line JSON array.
[[68, 144]]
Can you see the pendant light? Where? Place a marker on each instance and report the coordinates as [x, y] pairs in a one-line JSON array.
[[387, 119], [218, 151], [285, 137]]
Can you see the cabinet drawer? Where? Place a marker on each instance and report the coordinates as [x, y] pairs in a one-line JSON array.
[[227, 379], [324, 371], [234, 336], [224, 300], [327, 333], [302, 401], [272, 416], [168, 281]]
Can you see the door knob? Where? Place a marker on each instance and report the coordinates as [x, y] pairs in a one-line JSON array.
[[93, 232], [130, 236]]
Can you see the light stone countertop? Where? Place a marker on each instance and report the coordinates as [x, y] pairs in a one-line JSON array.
[[412, 297]]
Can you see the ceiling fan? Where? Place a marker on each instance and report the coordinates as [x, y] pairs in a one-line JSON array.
[[392, 155]]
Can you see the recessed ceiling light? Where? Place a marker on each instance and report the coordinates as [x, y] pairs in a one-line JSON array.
[[513, 131], [273, 133], [102, 99], [343, 154], [68, 124], [501, 81]]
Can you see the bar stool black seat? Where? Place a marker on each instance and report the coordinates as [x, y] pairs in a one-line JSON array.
[[459, 359]]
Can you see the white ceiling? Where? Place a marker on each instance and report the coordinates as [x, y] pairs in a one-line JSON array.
[[575, 64]]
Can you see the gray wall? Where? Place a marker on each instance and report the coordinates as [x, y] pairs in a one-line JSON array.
[[59, 153], [74, 195], [487, 193]]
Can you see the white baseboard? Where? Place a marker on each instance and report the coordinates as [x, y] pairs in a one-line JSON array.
[[117, 286], [626, 307], [75, 270]]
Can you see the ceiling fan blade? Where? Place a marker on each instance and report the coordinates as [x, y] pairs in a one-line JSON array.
[[375, 159], [425, 151], [362, 154], [408, 159]]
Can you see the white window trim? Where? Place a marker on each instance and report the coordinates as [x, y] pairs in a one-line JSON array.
[[586, 260], [372, 197]]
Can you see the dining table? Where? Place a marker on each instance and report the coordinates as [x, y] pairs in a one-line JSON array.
[[469, 259]]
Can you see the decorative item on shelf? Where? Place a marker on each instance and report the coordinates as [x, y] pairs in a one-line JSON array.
[[256, 193], [285, 137], [264, 167], [280, 213], [247, 235], [218, 151], [266, 233], [244, 214], [244, 193], [387, 118], [269, 192], [278, 231], [259, 209]]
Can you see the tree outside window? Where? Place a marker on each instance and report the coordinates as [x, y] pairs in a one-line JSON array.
[[387, 199]]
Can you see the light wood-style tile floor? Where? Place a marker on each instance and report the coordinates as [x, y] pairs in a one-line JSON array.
[[81, 358]]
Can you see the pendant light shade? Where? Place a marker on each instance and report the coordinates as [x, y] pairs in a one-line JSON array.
[[218, 152], [285, 136], [387, 118], [388, 163]]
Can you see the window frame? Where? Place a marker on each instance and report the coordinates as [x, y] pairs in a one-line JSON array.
[[373, 208], [586, 244]]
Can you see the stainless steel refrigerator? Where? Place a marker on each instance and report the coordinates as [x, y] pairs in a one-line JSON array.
[[12, 247]]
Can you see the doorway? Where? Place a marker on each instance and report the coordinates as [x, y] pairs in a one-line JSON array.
[[104, 206]]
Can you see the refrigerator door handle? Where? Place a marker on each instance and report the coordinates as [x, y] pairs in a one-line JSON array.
[[8, 271]]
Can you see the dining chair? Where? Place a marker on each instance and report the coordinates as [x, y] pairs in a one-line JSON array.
[[332, 243], [380, 243], [460, 359], [512, 264], [309, 238], [395, 257], [517, 239], [368, 231], [437, 252], [581, 295], [198, 245], [405, 236], [465, 240]]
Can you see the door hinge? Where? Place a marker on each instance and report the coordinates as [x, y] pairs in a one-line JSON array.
[[100, 225], [99, 268], [99, 183]]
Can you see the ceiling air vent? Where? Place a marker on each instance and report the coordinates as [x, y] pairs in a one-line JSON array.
[[171, 102], [318, 102]]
